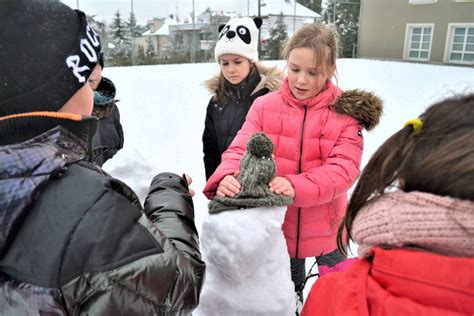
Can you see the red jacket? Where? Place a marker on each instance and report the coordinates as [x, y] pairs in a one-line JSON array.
[[396, 282], [318, 147]]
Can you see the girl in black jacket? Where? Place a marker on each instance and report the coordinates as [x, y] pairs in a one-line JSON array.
[[240, 81]]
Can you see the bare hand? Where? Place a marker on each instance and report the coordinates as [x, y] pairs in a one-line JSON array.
[[281, 185], [229, 186], [189, 180]]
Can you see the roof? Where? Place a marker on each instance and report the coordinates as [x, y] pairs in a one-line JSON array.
[[275, 7], [163, 30]]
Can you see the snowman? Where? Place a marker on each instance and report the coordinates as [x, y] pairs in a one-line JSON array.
[[248, 266]]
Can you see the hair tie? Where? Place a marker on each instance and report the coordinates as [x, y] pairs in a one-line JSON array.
[[416, 124]]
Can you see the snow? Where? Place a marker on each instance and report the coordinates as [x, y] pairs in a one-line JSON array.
[[247, 261], [163, 109]]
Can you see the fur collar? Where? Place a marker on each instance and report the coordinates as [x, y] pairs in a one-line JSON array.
[[271, 78], [363, 106]]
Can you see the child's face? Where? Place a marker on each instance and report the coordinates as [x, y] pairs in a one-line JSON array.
[[235, 68], [305, 80], [82, 101], [94, 78]]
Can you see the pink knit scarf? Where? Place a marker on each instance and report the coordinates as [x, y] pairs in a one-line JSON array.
[[434, 223]]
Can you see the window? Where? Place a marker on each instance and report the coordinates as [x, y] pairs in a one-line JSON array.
[[422, 1], [418, 42], [460, 43]]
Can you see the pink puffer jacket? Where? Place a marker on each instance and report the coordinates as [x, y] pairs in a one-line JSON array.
[[318, 148]]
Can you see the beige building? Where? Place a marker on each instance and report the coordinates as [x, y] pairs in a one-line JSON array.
[[418, 30]]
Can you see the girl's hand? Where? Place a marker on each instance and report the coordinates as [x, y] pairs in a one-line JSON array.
[[281, 185], [229, 186]]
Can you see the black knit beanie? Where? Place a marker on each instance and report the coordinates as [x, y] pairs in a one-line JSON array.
[[47, 52], [257, 169]]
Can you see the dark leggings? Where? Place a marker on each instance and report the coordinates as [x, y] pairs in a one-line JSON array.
[[298, 269]]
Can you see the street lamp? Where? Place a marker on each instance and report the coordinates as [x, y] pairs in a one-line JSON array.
[[259, 47], [294, 18], [132, 26], [193, 42]]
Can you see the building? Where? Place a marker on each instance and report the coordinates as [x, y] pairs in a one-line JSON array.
[[157, 39], [295, 15], [418, 30], [168, 37]]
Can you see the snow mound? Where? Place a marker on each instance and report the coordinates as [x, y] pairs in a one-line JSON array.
[[130, 167], [248, 266]]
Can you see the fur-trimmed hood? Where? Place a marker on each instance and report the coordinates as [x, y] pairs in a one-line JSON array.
[[270, 78], [361, 105]]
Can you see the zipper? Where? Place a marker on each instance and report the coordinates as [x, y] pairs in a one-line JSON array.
[[299, 171]]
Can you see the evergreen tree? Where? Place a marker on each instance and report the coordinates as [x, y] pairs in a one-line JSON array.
[[345, 15], [119, 28], [315, 5], [121, 39], [100, 28], [274, 44], [150, 48], [133, 27]]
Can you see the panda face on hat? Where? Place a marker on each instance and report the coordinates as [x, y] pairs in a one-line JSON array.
[[239, 37]]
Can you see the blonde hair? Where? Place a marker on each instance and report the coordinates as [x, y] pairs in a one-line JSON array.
[[322, 39]]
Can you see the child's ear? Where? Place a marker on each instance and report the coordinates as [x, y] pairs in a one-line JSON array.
[[221, 27], [258, 22]]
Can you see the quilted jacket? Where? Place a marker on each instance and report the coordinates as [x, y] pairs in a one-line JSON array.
[[318, 148]]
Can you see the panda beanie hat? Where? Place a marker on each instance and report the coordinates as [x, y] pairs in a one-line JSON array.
[[239, 36], [47, 52], [257, 169]]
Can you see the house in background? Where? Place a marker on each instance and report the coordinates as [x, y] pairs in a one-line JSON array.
[[418, 30], [206, 25], [157, 38], [295, 15], [204, 29], [167, 36]]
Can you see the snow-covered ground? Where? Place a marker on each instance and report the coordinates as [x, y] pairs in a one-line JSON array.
[[163, 108]]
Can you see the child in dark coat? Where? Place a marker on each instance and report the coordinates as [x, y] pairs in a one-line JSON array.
[[108, 139], [240, 81], [73, 240]]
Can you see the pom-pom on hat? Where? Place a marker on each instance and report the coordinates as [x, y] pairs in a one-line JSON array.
[[239, 36], [47, 53], [257, 169]]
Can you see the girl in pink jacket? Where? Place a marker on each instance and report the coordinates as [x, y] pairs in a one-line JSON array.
[[317, 132]]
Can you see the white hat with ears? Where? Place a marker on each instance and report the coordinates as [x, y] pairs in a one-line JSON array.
[[239, 36]]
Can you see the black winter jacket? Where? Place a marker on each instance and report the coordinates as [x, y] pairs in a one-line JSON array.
[[108, 139], [225, 117], [74, 241]]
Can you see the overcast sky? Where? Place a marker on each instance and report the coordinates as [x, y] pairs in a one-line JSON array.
[[146, 9]]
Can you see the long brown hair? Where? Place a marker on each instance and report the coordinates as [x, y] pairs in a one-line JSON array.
[[322, 39], [221, 93], [438, 160]]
